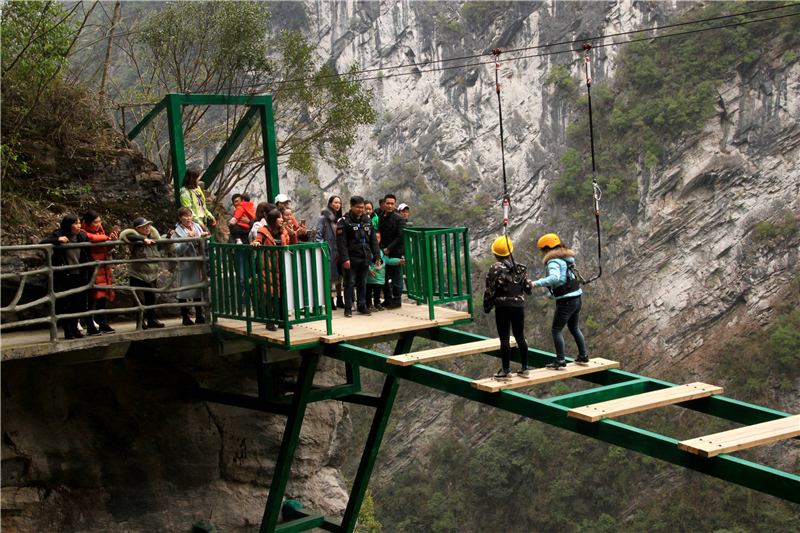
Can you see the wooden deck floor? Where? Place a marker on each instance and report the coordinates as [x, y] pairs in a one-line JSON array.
[[410, 317]]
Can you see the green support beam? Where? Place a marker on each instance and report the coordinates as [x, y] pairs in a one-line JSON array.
[[283, 463], [269, 140], [726, 467], [148, 118], [176, 147], [373, 444], [236, 137], [260, 107]]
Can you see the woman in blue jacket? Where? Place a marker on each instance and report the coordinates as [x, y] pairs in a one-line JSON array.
[[562, 282]]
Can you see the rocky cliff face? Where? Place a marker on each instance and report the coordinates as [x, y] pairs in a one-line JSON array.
[[683, 265], [120, 446], [684, 270]]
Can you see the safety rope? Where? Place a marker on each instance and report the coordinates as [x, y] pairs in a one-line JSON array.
[[506, 198], [597, 193]]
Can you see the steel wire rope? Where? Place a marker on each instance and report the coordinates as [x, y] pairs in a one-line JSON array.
[[529, 56]]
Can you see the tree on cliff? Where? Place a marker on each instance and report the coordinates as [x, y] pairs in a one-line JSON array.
[[226, 48]]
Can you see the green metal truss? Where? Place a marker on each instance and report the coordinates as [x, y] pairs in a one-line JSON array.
[[612, 384], [259, 109]]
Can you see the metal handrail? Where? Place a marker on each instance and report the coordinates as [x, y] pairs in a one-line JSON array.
[[437, 266], [263, 284], [50, 298]]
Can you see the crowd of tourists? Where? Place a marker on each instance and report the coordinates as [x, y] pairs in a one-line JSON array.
[[364, 252]]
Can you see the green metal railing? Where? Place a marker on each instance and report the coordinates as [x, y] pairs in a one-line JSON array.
[[437, 266], [279, 285]]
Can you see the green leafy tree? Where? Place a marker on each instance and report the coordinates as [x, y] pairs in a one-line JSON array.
[[227, 48], [367, 523]]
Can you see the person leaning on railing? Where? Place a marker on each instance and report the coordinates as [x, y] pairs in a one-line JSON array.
[[69, 232], [326, 232], [92, 225], [142, 239], [270, 235], [189, 272]]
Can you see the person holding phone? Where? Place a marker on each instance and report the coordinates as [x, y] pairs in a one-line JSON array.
[[290, 222]]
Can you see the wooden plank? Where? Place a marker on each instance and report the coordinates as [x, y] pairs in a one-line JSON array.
[[642, 402], [447, 352], [544, 375], [742, 438]]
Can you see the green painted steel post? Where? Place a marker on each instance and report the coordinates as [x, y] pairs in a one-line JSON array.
[[176, 148], [371, 448], [270, 149], [212, 250], [467, 269], [283, 463], [427, 251]]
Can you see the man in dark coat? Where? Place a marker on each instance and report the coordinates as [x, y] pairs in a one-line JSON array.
[[392, 225], [358, 248]]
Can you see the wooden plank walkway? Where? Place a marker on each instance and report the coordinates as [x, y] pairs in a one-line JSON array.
[[392, 321], [447, 352], [544, 375], [742, 438], [642, 402]]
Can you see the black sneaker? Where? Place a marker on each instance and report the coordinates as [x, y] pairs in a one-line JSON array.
[[93, 332], [272, 327], [153, 323], [379, 308], [558, 364], [348, 312], [394, 306], [502, 374], [187, 321], [524, 372], [105, 328], [364, 311], [582, 360]]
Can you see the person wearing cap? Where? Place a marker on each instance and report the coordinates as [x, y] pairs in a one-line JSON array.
[[358, 248], [142, 238], [192, 197], [563, 285], [506, 281]]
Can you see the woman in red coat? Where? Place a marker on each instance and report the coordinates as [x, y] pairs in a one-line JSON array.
[[93, 226]]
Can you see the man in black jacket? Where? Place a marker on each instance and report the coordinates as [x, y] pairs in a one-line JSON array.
[[392, 225], [358, 247]]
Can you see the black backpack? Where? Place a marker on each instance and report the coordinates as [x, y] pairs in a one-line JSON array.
[[572, 284]]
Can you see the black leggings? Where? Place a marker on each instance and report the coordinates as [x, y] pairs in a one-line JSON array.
[[511, 318], [373, 294]]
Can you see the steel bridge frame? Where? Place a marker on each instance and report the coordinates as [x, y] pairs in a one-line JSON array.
[[613, 384], [259, 108]]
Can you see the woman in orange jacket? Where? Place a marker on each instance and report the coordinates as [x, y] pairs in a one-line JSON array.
[[93, 226], [270, 235]]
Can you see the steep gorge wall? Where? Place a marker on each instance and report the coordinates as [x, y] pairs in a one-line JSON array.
[[681, 266]]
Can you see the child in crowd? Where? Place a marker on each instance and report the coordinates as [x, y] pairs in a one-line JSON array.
[[242, 218], [377, 278]]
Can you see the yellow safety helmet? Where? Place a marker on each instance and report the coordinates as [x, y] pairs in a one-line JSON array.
[[550, 240], [502, 246]]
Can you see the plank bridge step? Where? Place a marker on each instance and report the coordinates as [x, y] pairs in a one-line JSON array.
[[447, 352], [544, 375], [642, 402], [742, 438]]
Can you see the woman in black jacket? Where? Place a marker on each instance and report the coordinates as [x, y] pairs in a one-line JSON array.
[[66, 279]]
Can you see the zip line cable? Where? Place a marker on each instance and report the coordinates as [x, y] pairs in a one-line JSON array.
[[529, 56]]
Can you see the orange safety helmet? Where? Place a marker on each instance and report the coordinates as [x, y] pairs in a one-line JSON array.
[[550, 240], [502, 246]]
